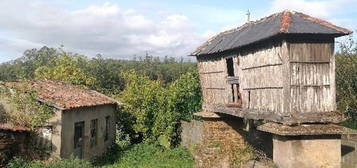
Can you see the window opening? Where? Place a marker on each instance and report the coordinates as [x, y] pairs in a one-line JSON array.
[[230, 68]]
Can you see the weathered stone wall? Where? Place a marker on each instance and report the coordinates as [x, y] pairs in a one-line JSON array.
[[192, 133], [307, 151], [222, 142], [12, 144], [220, 145], [349, 151]]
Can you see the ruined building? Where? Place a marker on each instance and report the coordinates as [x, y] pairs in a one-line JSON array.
[[82, 123], [279, 70]]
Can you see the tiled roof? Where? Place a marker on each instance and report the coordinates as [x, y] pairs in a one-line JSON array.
[[6, 126], [286, 22], [63, 95]]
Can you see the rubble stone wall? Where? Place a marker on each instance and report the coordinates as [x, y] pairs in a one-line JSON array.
[[12, 143]]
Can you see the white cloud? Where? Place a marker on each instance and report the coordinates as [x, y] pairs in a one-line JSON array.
[[106, 29], [321, 8]]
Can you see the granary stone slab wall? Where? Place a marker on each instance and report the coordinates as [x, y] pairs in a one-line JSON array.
[[86, 114], [288, 81], [261, 78], [213, 83], [260, 73], [312, 77], [307, 151]]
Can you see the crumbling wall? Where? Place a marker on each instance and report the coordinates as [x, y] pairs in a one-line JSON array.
[[222, 142], [12, 143]]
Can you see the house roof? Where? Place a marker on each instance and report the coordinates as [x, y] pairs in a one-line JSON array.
[[10, 127], [286, 22], [64, 96]]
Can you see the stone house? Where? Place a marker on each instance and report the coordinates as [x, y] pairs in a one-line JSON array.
[[83, 122]]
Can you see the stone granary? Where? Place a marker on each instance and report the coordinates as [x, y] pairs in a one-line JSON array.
[[281, 70], [83, 123]]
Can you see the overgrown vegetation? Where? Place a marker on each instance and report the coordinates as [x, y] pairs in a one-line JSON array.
[[65, 163], [346, 81], [156, 110], [150, 156], [24, 108], [139, 156]]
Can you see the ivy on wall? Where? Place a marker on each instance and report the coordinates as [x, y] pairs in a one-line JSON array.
[[20, 106]]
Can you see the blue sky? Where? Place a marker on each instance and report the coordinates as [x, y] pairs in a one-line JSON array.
[[124, 29]]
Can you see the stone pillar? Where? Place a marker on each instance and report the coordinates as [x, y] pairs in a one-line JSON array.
[[307, 151], [306, 145]]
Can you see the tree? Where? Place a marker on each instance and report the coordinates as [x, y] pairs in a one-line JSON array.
[[156, 110], [66, 67], [346, 79]]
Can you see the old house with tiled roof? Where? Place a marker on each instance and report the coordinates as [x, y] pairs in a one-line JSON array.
[[83, 122]]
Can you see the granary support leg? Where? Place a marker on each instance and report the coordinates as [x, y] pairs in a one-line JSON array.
[[306, 145], [307, 151]]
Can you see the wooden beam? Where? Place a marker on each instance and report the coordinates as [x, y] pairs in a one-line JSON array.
[[297, 118], [211, 72], [278, 87], [310, 62], [261, 66]]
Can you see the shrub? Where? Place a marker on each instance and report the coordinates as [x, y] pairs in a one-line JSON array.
[[27, 111], [65, 163], [155, 111], [151, 156], [346, 81]]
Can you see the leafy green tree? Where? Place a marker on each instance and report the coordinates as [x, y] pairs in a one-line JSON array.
[[185, 95], [157, 109], [107, 73], [34, 58], [66, 68], [143, 98], [346, 79]]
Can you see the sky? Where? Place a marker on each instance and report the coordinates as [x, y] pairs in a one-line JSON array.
[[124, 29]]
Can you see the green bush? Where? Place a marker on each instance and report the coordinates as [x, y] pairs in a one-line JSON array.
[[65, 163], [346, 81], [154, 111], [27, 110], [151, 156]]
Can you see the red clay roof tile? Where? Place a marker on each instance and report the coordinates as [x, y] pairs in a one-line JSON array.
[[65, 96]]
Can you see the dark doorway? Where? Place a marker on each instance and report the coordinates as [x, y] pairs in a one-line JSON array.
[[230, 68], [78, 139]]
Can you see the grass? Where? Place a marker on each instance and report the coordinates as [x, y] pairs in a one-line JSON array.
[[136, 156], [65, 163], [148, 156]]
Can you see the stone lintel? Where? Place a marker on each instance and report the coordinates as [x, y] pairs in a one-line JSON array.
[[305, 129]]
